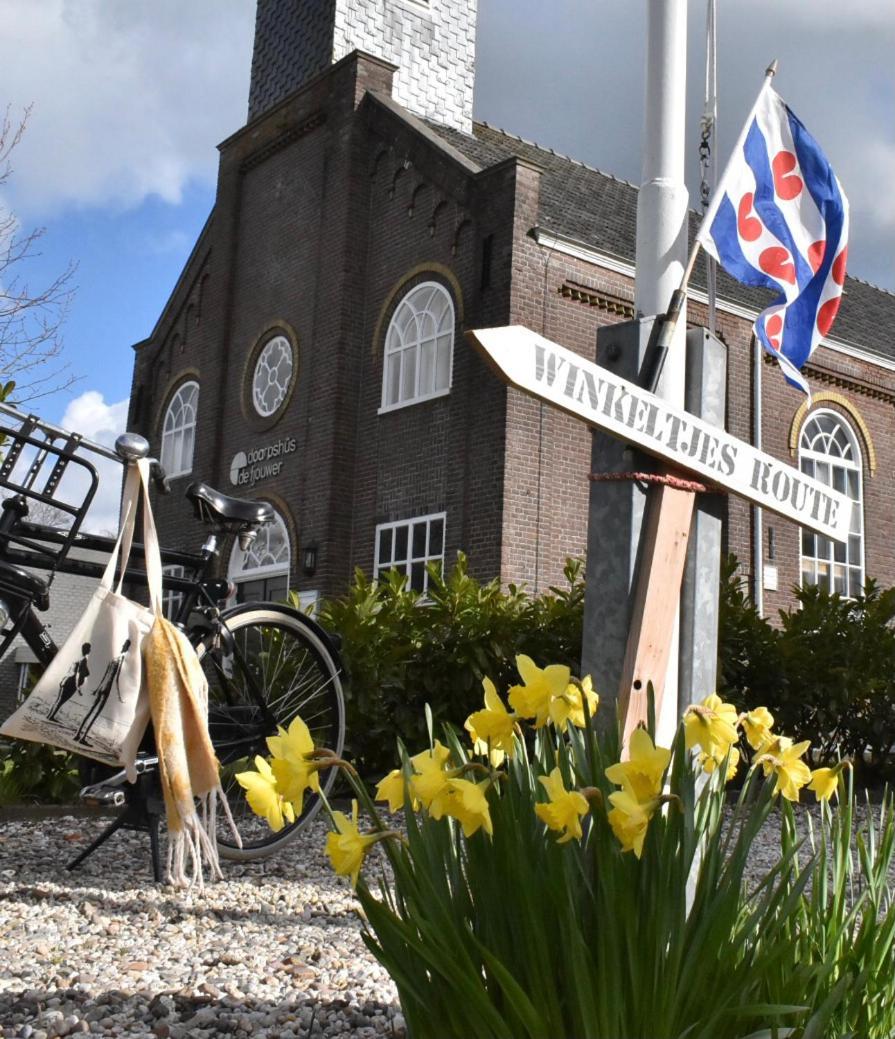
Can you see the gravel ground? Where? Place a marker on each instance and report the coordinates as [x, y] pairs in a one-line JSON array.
[[273, 952]]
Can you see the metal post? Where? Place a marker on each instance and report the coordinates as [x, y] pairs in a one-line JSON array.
[[662, 217], [705, 396]]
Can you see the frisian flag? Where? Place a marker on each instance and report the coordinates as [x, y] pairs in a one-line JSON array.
[[779, 219]]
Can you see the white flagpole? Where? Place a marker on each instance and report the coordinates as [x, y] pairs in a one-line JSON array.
[[675, 307]]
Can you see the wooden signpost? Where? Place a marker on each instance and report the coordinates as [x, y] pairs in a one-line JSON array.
[[685, 443]]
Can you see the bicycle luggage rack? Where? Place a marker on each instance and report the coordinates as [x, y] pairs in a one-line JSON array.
[[34, 459]]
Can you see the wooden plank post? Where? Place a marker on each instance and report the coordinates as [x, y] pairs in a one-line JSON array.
[[654, 607]]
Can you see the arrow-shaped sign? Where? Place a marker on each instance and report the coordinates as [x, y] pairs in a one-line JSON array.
[[602, 399]]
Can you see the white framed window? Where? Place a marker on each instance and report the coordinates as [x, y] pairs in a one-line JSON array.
[[272, 376], [829, 451], [261, 573], [179, 430], [171, 600], [409, 545], [419, 347]]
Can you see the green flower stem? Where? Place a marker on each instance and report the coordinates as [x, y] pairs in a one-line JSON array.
[[358, 786]]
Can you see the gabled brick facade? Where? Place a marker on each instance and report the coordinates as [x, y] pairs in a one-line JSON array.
[[332, 203]]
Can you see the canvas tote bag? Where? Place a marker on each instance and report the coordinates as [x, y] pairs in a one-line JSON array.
[[89, 700]]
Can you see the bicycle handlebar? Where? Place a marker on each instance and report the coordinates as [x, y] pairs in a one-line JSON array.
[[58, 431], [128, 446]]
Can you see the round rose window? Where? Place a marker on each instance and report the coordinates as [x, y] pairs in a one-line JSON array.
[[273, 373]]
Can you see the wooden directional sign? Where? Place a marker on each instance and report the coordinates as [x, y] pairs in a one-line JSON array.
[[603, 399]]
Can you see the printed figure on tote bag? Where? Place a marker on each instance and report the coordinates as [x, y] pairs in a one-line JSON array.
[[72, 705], [112, 677], [71, 685]]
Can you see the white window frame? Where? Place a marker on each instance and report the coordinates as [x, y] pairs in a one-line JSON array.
[[171, 600], [406, 563], [175, 429], [825, 550], [23, 676], [236, 571], [285, 388], [395, 347]]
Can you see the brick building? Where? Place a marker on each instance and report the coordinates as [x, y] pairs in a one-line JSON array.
[[312, 351]]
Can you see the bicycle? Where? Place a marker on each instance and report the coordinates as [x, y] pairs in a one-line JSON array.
[[265, 662]]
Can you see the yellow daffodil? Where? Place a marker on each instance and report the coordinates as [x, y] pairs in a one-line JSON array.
[[264, 797], [492, 727], [629, 819], [429, 775], [466, 802], [709, 763], [391, 788], [565, 808], [294, 742], [712, 726], [642, 772], [757, 725], [570, 706], [346, 847], [291, 749], [532, 700], [781, 757], [824, 782]]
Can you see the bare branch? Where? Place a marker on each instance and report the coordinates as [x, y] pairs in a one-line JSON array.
[[31, 319]]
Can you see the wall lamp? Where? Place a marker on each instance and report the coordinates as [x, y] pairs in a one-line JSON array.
[[309, 558]]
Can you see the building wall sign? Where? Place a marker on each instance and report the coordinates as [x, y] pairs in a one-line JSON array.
[[260, 463], [610, 403]]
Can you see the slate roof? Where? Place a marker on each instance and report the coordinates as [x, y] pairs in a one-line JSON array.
[[600, 211]]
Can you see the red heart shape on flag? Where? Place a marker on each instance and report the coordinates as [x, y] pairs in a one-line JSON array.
[[839, 266], [827, 314], [748, 225], [773, 327], [777, 262], [816, 254], [786, 183]]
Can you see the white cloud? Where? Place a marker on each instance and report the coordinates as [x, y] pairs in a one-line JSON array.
[[823, 14], [90, 415], [129, 98]]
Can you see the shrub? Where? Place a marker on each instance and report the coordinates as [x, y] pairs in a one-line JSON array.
[[828, 672], [36, 773], [402, 651]]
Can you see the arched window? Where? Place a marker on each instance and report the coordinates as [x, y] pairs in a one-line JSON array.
[[829, 451], [261, 574], [179, 430], [419, 346]]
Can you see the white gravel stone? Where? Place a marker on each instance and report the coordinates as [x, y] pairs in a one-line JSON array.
[[105, 951]]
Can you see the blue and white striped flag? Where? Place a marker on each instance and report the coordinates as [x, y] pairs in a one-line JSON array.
[[779, 219]]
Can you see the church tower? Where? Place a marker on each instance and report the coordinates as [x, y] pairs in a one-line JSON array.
[[432, 42]]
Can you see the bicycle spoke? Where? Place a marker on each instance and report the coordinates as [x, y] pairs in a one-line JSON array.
[[276, 669]]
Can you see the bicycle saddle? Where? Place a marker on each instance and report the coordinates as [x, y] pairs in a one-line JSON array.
[[22, 582], [210, 504]]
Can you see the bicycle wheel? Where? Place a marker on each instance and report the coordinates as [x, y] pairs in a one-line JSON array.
[[276, 664]]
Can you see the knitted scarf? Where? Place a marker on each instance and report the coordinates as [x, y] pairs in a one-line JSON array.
[[188, 768], [174, 695]]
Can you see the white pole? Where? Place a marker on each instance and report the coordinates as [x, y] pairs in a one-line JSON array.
[[662, 224]]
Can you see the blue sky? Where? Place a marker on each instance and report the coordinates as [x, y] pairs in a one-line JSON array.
[[130, 100]]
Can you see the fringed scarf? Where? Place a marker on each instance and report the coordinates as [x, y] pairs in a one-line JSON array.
[[188, 767], [174, 695]]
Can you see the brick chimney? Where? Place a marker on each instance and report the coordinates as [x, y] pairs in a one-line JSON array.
[[431, 41]]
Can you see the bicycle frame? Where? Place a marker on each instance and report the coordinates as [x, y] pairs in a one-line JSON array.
[[197, 590], [39, 546]]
